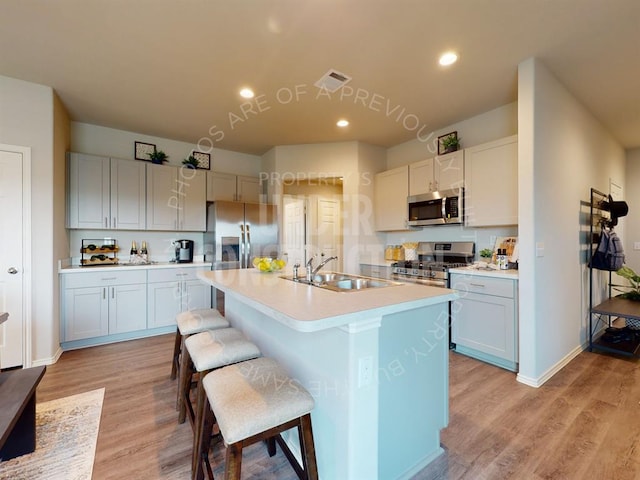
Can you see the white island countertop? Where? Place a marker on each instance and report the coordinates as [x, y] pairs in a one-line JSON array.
[[306, 308]]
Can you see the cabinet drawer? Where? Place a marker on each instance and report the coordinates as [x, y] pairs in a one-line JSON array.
[[102, 279], [172, 274], [499, 287]]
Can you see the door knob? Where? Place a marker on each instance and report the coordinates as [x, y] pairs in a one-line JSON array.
[[12, 271]]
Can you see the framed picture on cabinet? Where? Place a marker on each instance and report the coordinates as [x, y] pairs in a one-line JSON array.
[[204, 160], [448, 143], [142, 150]]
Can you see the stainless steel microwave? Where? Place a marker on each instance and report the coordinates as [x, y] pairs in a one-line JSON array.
[[444, 207]]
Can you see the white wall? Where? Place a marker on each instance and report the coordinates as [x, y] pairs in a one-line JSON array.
[[563, 151], [497, 123], [27, 119], [632, 197], [109, 142]]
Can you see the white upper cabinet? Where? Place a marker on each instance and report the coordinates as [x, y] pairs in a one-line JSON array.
[[440, 173], [491, 196], [176, 198], [421, 177], [390, 203], [233, 188], [105, 193]]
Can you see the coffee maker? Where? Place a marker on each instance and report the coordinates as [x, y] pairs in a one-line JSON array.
[[184, 251]]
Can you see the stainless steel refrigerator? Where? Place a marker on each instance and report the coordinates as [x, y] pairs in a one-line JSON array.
[[238, 232]]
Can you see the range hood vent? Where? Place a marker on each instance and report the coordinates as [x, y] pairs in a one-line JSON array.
[[332, 80]]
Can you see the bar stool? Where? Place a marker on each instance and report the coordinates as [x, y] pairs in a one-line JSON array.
[[203, 352], [190, 322], [253, 401]]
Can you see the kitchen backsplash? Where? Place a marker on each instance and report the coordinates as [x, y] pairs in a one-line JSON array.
[[159, 244], [483, 237]]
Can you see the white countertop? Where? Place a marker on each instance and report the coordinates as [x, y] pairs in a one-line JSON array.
[[127, 266], [307, 308], [483, 272]]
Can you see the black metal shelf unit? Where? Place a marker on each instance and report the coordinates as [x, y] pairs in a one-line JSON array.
[[602, 316]]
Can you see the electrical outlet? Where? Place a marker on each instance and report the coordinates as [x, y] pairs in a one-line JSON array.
[[636, 245], [365, 371]]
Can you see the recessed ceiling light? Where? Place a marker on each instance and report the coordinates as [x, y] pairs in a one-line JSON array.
[[342, 123], [246, 93], [448, 58]]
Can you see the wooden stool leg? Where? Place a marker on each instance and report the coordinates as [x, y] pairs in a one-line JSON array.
[[176, 354], [184, 383], [271, 446], [233, 462], [308, 448], [202, 442], [202, 405]]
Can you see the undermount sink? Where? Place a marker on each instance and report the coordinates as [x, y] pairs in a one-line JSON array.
[[343, 282]]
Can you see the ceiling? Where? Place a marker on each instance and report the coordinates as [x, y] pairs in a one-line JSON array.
[[173, 69]]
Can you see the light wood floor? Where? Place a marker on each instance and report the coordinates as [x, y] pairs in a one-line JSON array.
[[584, 423]]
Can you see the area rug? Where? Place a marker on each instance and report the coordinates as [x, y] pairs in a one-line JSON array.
[[66, 435]]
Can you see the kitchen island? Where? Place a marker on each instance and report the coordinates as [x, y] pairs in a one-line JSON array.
[[375, 361]]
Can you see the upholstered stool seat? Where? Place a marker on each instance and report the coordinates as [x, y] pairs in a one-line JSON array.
[[206, 351], [190, 322], [253, 401]]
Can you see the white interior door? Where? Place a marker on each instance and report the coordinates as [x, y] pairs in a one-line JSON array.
[[12, 259], [293, 237], [327, 235]]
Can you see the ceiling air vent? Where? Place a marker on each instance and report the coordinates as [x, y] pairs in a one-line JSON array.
[[332, 80]]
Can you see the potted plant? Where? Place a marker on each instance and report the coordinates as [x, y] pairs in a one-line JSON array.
[[631, 291], [191, 162], [158, 157], [450, 143], [486, 253]]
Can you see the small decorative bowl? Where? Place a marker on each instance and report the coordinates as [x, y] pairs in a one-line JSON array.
[[268, 265]]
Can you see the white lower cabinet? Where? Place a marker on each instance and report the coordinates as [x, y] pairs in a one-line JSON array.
[[171, 291], [103, 307], [98, 304], [484, 320]]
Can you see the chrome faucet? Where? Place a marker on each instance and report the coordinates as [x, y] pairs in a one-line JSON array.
[[309, 268], [322, 264]]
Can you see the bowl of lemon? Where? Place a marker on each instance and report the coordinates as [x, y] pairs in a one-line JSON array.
[[268, 265]]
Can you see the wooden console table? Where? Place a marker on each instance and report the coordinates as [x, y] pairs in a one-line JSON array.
[[18, 411]]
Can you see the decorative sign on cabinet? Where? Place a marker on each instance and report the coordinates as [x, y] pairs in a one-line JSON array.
[[491, 194], [176, 198], [105, 193]]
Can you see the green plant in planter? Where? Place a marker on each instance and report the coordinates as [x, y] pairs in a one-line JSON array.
[[450, 143], [486, 253], [191, 162], [158, 157], [632, 291]]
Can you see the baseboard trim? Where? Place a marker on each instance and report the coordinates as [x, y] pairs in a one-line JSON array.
[[539, 381], [48, 361]]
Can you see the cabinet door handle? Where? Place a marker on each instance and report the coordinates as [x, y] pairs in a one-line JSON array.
[[181, 274], [477, 285], [113, 292], [104, 293], [106, 222], [104, 279], [114, 222]]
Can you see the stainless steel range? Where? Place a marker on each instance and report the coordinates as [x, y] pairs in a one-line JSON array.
[[434, 261]]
